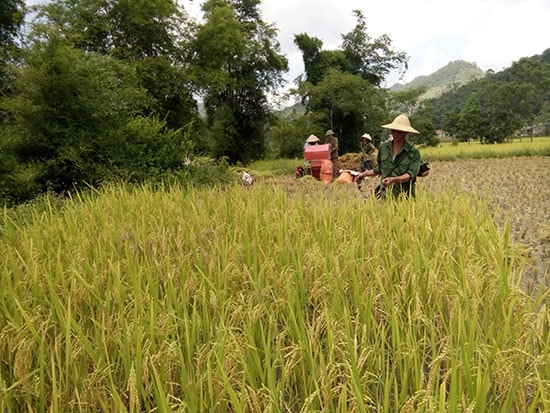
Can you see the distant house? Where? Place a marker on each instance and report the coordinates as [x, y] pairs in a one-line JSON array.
[[539, 129], [442, 135]]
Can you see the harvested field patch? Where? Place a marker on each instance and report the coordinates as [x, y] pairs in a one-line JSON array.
[[515, 190]]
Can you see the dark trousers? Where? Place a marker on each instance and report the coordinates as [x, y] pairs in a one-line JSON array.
[[366, 165]]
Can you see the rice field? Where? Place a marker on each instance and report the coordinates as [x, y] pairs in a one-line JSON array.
[[519, 147], [287, 296], [515, 192]]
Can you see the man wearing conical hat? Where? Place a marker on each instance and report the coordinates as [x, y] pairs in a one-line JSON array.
[[398, 160], [311, 140], [368, 152]]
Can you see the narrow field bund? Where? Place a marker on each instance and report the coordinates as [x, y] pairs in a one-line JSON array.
[[307, 298]]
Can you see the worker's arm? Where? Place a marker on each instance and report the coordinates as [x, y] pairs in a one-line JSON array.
[[401, 179], [363, 175]]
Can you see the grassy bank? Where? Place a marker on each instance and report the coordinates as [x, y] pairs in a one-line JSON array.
[[264, 299]]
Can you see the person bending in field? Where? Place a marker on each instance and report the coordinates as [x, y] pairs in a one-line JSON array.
[[398, 161]]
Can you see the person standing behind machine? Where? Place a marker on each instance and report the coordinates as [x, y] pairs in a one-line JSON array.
[[311, 140], [333, 141]]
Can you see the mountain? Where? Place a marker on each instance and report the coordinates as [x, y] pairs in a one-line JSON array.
[[454, 74], [292, 112]]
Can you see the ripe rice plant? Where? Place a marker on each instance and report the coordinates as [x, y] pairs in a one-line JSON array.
[[264, 298], [515, 194], [539, 146]]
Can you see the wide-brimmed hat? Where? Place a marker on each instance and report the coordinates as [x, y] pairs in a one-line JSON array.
[[401, 123], [312, 138], [329, 132], [366, 136]]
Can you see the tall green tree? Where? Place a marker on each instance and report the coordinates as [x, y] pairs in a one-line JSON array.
[[536, 72], [342, 87], [236, 64], [318, 62], [148, 34], [371, 58], [472, 122], [12, 13], [350, 106], [450, 124], [508, 106]]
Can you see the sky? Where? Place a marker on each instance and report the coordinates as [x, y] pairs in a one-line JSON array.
[[490, 33]]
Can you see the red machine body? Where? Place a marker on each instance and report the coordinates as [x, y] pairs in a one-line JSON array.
[[316, 154]]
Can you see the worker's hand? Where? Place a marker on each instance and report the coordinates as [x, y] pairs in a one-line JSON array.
[[388, 181], [358, 178]]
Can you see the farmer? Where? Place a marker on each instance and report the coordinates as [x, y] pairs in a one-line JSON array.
[[311, 140], [368, 152], [398, 160], [333, 141]]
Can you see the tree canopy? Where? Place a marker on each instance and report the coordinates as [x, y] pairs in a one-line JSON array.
[[236, 62], [371, 58], [342, 88], [12, 13], [509, 100]]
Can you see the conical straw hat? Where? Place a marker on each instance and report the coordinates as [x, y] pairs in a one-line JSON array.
[[401, 123], [312, 138]]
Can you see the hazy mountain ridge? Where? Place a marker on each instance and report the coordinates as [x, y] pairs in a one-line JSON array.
[[454, 74]]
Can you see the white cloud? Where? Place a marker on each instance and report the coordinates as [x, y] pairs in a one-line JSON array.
[[491, 33], [510, 32]]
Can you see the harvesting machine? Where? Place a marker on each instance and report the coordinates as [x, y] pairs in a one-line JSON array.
[[316, 157]]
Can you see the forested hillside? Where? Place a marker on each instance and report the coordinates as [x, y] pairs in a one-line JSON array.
[[453, 75], [501, 104]]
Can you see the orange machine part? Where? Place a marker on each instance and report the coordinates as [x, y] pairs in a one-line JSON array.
[[326, 171]]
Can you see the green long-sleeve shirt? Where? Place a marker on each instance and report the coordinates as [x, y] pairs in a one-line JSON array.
[[407, 161], [367, 152], [333, 148]]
